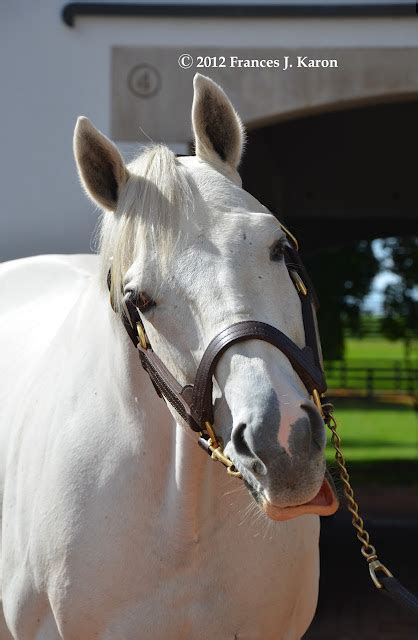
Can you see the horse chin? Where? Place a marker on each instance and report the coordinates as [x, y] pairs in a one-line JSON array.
[[324, 503]]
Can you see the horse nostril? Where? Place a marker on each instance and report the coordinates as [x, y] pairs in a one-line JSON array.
[[240, 444], [316, 424], [251, 460], [258, 468]]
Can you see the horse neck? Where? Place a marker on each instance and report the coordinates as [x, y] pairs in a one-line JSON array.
[[187, 483]]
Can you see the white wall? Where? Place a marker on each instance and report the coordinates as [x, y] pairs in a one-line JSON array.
[[50, 74]]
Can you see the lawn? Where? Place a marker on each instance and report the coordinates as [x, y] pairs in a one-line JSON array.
[[370, 430], [377, 349], [380, 441]]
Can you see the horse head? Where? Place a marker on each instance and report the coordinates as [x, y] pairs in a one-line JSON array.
[[183, 233]]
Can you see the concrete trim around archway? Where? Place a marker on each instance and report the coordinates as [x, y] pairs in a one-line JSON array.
[[297, 83], [330, 107]]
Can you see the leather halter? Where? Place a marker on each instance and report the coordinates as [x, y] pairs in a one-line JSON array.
[[193, 402]]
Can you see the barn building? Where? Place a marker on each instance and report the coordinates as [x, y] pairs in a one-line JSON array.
[[327, 89]]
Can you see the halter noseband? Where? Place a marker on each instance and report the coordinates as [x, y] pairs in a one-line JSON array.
[[193, 402]]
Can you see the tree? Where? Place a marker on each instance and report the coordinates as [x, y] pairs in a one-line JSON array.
[[400, 306], [342, 277]]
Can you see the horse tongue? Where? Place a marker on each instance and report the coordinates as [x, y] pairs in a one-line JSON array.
[[324, 497], [325, 503]]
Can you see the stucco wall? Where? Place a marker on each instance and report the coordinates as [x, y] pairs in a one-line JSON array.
[[51, 74]]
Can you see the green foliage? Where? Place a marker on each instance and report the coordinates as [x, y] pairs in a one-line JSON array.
[[342, 277]]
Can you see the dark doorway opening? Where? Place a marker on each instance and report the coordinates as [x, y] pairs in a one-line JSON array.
[[339, 177]]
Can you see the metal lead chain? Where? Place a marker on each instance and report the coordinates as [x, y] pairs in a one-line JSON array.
[[368, 550]]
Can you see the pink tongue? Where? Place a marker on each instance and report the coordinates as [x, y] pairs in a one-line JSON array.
[[324, 497], [325, 503]]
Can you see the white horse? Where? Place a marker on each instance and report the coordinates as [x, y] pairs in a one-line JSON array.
[[116, 526]]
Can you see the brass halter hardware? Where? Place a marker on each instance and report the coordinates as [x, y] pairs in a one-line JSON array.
[[317, 400], [217, 453], [298, 282], [212, 435], [141, 335], [290, 235]]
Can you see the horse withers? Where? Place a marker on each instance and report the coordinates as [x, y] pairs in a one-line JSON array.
[[115, 524]]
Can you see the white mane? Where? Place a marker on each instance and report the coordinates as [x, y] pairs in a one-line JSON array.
[[148, 209]]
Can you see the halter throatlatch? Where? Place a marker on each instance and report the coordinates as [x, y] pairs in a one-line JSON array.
[[193, 402]]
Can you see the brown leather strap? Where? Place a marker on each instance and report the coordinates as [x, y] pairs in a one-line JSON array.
[[168, 387], [294, 261], [302, 361]]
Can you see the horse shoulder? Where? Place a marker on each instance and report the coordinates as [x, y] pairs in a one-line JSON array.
[[75, 471], [36, 295]]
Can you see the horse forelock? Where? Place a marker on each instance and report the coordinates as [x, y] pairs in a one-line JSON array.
[[156, 194]]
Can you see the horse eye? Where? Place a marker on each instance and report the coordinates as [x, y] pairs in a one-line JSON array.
[[277, 250], [141, 300]]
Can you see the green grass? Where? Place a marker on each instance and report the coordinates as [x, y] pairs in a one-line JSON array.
[[371, 431], [375, 349], [380, 441]]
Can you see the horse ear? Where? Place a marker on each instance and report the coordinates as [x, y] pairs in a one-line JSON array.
[[100, 166], [217, 128]]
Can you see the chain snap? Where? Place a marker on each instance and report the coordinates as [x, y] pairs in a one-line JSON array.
[[375, 566], [215, 449]]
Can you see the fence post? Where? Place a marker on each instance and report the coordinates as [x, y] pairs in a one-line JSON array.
[[411, 381], [370, 382], [343, 375]]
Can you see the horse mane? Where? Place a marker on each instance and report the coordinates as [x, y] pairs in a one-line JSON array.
[[156, 193]]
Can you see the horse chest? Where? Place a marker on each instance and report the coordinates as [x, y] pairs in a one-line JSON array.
[[159, 590], [204, 605]]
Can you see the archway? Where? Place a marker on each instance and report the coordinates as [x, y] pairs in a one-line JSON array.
[[338, 177]]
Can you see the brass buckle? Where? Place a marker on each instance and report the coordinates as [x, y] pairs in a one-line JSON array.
[[141, 335], [298, 282]]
